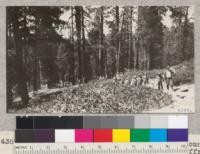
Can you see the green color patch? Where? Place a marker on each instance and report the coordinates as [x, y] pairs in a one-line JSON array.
[[140, 135]]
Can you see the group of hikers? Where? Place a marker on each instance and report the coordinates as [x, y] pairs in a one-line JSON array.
[[135, 81], [143, 80], [167, 77]]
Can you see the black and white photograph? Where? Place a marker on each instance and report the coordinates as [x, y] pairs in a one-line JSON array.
[[100, 59]]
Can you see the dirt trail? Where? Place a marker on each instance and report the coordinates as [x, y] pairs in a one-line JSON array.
[[182, 95]]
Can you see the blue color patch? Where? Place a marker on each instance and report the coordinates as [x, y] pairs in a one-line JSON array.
[[158, 135]]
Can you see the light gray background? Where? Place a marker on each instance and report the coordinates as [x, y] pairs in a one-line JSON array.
[[7, 121]]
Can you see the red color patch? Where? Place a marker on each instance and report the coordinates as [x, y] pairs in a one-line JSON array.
[[102, 135]]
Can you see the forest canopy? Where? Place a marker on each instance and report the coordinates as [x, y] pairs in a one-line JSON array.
[[77, 44]]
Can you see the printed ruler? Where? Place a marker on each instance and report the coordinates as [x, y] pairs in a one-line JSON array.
[[102, 148]]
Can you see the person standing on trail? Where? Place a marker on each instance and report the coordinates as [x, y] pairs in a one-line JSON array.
[[116, 82], [118, 77], [169, 77], [141, 80], [160, 81], [133, 81], [145, 80]]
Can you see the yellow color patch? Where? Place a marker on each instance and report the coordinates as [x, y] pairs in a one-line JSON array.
[[121, 135]]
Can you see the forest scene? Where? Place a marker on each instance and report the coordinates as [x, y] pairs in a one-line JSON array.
[[100, 59]]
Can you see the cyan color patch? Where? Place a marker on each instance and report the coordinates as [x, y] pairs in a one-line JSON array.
[[158, 135]]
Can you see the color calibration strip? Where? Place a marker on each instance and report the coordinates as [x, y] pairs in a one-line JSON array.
[[118, 122], [100, 135]]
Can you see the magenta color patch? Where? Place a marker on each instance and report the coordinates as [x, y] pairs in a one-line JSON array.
[[83, 135]]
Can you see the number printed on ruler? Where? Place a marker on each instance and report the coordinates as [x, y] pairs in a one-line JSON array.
[[102, 148]]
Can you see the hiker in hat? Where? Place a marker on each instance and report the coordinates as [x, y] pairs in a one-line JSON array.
[[169, 73]]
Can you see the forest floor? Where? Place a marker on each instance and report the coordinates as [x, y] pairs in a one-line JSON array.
[[101, 96], [102, 100], [104, 96]]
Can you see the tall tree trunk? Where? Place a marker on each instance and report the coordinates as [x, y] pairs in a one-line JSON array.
[[72, 68], [36, 72], [9, 85], [131, 40], [101, 43], [137, 40], [180, 37], [35, 88], [119, 46], [117, 40], [137, 54], [21, 73], [148, 61], [83, 55], [119, 37], [105, 64], [126, 56], [78, 35], [185, 35]]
